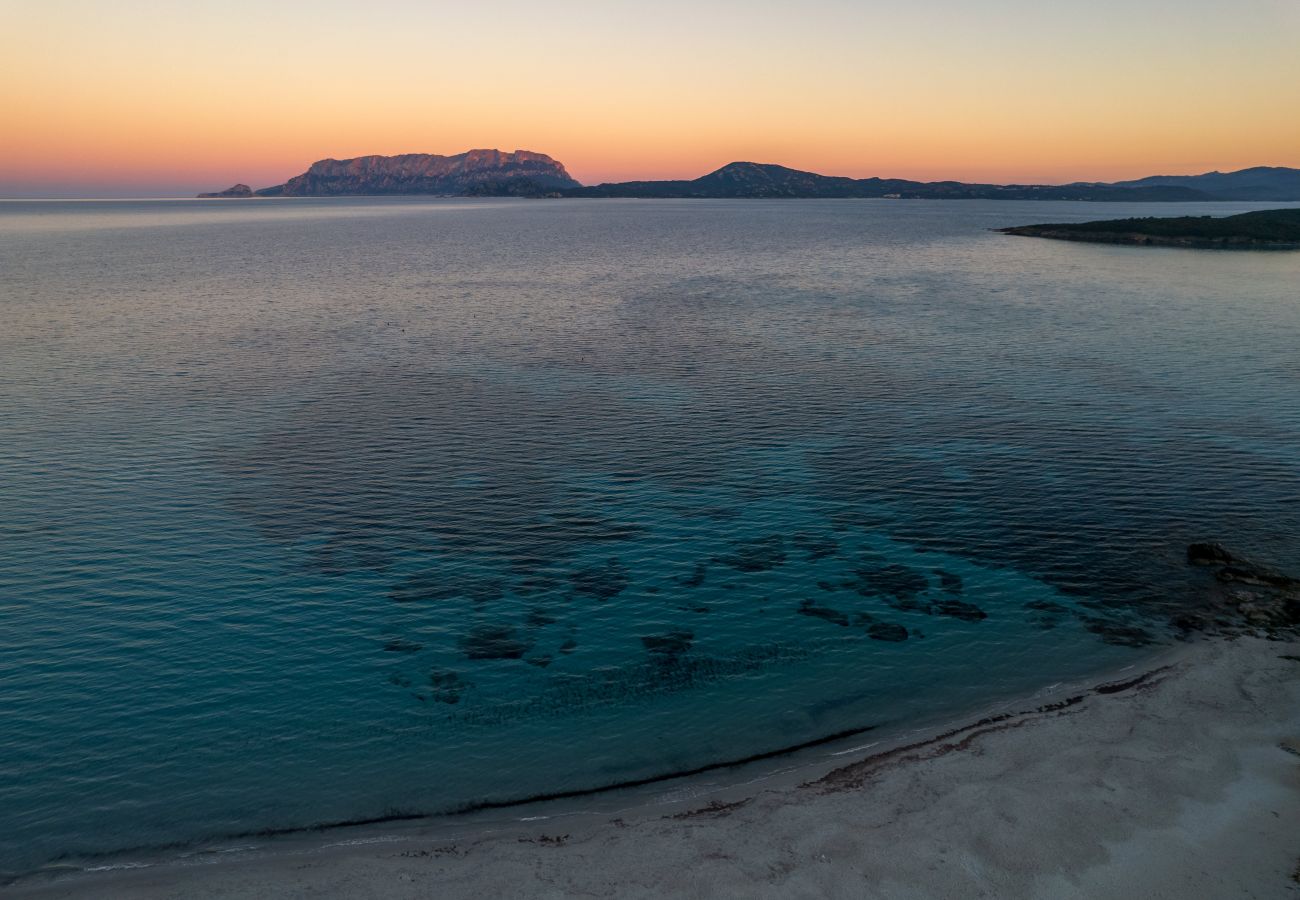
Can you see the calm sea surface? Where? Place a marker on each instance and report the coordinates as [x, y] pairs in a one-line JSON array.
[[321, 510]]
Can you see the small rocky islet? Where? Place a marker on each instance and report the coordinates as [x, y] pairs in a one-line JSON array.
[[235, 192]]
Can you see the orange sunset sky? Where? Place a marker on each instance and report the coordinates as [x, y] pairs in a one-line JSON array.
[[142, 98]]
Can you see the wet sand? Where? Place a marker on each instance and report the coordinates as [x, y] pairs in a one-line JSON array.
[[1177, 780]]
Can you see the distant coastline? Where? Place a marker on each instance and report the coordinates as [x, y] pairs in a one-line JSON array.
[[522, 173]]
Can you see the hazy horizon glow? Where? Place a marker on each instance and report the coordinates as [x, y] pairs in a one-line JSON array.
[[145, 98]]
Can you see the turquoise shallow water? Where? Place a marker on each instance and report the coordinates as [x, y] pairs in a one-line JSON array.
[[323, 510]]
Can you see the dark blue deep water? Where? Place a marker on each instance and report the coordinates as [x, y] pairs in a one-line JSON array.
[[319, 510]]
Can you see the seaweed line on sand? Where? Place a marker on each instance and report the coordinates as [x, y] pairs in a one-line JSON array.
[[856, 774]]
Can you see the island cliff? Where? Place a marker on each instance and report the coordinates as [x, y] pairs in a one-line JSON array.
[[476, 172]]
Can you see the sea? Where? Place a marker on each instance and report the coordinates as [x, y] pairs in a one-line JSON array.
[[326, 510]]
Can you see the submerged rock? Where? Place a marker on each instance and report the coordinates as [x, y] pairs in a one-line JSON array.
[[887, 631], [950, 581], [446, 686], [1208, 554], [756, 555], [697, 576], [893, 582], [809, 608], [1046, 614], [960, 609], [539, 618], [816, 547], [604, 582], [494, 642], [669, 645], [400, 645]]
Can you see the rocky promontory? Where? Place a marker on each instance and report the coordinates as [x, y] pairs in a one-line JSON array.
[[1269, 229]]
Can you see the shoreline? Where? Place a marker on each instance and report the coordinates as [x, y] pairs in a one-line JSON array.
[[781, 768], [755, 819]]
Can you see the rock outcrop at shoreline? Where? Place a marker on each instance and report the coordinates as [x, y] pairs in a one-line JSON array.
[[1245, 598], [476, 172]]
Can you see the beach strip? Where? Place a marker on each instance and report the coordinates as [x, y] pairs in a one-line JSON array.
[[1178, 780]]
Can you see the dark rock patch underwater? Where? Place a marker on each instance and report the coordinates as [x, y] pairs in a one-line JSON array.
[[756, 554], [603, 582], [494, 642]]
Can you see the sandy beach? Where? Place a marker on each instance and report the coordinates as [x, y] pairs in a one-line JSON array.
[[1177, 780]]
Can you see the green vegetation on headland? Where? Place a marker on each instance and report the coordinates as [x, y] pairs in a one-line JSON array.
[[1270, 229]]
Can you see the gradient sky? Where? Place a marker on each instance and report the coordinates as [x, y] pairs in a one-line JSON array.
[[146, 97]]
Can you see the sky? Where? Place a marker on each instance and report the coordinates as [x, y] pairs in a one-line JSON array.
[[158, 97]]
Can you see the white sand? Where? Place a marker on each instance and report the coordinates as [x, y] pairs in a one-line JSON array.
[[1177, 787]]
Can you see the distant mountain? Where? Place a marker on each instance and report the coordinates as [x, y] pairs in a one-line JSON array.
[[1260, 183], [759, 180], [476, 172]]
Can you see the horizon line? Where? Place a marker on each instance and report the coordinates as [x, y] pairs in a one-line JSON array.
[[8, 197]]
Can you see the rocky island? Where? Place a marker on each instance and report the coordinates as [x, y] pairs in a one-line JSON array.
[[1272, 229], [473, 173], [237, 192]]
